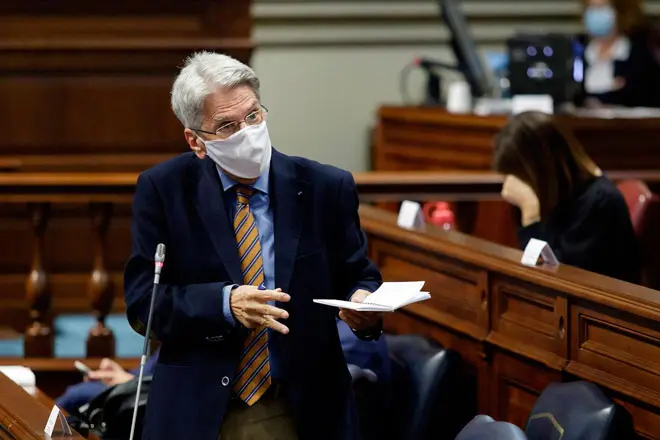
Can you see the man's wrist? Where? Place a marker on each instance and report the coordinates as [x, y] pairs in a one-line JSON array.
[[370, 334], [226, 304]]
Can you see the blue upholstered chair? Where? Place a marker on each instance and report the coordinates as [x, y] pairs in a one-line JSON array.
[[423, 377], [577, 411], [485, 428]]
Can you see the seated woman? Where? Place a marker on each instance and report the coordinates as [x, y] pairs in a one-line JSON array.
[[564, 199], [621, 57]]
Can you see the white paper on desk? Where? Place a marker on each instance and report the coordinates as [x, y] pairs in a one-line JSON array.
[[538, 249], [55, 416], [388, 298], [410, 216]]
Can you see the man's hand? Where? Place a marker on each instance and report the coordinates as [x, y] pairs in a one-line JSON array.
[[110, 373], [520, 194], [360, 320], [249, 306]]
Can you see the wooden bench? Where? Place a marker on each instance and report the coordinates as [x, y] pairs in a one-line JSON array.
[[519, 328]]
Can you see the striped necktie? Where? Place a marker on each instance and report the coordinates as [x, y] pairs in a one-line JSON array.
[[253, 378]]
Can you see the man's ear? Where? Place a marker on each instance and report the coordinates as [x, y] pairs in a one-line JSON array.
[[195, 143]]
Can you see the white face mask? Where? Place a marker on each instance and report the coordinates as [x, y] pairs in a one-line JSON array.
[[245, 154]]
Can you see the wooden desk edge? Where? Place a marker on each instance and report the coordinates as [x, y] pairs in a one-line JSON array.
[[614, 293]]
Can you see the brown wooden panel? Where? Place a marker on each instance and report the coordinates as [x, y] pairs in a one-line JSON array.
[[530, 319], [623, 355], [436, 139], [429, 138], [22, 415], [611, 336], [86, 85], [516, 383], [458, 291], [645, 417], [142, 101]]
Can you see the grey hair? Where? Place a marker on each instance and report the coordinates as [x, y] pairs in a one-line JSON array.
[[202, 73]]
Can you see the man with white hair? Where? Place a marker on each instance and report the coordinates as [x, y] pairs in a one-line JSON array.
[[252, 237]]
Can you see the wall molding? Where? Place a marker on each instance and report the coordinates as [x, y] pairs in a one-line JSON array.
[[386, 23]]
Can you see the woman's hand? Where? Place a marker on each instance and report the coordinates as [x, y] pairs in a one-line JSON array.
[[520, 194]]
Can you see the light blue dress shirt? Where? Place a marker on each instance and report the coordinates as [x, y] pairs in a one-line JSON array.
[[263, 216]]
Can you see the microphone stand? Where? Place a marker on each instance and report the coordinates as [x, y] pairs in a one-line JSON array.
[[160, 260]]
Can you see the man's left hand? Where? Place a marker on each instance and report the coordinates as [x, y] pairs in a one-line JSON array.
[[360, 320]]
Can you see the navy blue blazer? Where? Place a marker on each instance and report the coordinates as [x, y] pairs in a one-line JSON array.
[[320, 252]]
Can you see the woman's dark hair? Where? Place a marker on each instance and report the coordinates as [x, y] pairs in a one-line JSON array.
[[534, 148]]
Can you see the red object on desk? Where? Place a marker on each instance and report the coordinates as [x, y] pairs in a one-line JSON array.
[[439, 214]]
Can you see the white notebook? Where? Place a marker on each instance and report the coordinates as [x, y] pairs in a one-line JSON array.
[[388, 298]]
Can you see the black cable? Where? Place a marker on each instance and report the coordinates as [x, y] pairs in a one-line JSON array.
[[403, 83]]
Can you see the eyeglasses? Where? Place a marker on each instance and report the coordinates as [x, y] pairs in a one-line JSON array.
[[225, 130]]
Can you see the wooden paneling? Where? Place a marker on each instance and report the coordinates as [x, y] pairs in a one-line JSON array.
[[544, 324], [444, 278], [86, 85], [525, 316], [515, 385], [429, 138], [622, 353]]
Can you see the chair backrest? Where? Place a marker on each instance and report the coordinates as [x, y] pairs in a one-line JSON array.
[[637, 196], [654, 42], [644, 207], [421, 377], [577, 411], [485, 428]]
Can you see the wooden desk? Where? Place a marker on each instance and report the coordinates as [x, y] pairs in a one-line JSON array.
[[78, 228], [428, 138], [54, 375], [22, 416], [519, 328]]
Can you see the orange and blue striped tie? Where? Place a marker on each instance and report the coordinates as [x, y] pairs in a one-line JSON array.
[[253, 378]]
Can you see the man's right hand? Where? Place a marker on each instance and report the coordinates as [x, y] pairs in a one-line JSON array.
[[249, 306]]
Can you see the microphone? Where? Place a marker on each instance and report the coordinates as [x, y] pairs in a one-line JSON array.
[[159, 262]]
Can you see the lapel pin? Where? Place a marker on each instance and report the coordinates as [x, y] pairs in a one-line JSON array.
[[299, 193]]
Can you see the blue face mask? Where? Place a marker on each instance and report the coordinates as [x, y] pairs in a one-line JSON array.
[[599, 21]]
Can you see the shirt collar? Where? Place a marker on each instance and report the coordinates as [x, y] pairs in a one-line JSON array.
[[620, 51], [261, 183]]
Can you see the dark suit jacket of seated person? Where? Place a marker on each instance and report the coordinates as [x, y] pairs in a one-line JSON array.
[[564, 198], [311, 246], [622, 56]]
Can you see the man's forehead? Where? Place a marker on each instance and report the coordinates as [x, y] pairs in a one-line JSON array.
[[230, 103]]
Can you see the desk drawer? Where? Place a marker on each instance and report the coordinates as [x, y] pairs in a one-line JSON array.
[[459, 298], [617, 350], [529, 319]]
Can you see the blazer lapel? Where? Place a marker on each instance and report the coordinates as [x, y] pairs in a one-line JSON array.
[[209, 201], [289, 193]]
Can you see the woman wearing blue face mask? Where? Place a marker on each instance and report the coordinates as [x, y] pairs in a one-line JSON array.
[[622, 57]]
